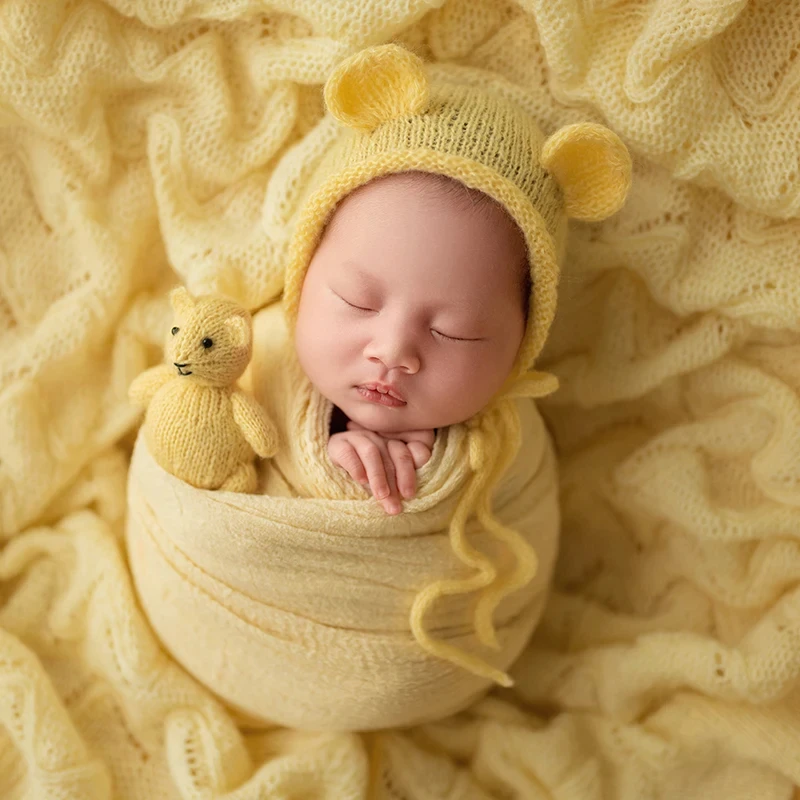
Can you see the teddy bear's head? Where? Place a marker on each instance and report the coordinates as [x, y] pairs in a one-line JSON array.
[[210, 340]]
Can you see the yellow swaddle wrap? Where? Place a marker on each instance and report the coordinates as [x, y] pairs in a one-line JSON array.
[[293, 605]]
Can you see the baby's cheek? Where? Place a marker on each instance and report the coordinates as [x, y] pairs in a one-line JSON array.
[[309, 346], [466, 384], [455, 372], [326, 357], [448, 385], [346, 347]]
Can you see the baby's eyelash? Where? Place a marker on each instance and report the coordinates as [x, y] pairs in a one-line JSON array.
[[453, 338], [352, 305], [433, 330]]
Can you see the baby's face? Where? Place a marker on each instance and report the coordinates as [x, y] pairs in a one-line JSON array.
[[408, 290]]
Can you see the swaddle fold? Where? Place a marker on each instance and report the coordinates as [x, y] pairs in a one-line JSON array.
[[293, 605]]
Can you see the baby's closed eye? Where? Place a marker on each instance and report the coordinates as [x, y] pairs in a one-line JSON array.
[[365, 307], [457, 338]]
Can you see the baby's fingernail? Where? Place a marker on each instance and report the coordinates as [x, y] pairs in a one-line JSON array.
[[408, 493], [382, 493], [394, 508]]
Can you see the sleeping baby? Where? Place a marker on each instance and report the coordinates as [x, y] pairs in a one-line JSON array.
[[422, 278], [410, 318]]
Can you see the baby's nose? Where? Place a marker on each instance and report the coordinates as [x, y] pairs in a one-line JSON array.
[[394, 355]]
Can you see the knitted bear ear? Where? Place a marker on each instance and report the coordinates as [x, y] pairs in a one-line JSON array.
[[181, 300], [593, 168], [376, 85]]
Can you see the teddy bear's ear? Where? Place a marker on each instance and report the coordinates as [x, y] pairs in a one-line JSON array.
[[238, 330], [376, 85], [593, 168], [181, 300]]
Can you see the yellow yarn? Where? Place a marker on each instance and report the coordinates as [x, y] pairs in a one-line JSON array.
[[590, 164], [396, 118], [375, 86], [198, 424], [488, 460]]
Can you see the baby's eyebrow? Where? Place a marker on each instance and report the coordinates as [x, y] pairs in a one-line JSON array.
[[365, 277]]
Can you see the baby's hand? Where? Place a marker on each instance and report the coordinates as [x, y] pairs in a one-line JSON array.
[[386, 462]]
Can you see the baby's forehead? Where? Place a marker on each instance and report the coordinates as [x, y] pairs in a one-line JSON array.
[[395, 212], [422, 190], [411, 234]]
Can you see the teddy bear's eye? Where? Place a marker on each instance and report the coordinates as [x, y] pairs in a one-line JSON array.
[[175, 330], [206, 343]]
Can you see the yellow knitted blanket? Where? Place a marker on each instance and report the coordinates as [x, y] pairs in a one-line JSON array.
[[143, 136]]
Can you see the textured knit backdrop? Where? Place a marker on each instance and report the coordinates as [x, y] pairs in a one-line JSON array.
[[136, 134]]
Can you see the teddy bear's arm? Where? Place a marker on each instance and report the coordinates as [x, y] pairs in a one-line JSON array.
[[146, 384], [254, 424]]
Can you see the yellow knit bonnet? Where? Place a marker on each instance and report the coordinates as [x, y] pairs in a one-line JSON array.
[[397, 117]]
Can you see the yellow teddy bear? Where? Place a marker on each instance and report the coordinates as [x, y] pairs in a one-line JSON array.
[[199, 425]]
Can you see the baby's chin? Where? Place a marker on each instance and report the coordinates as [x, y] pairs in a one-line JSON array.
[[387, 420]]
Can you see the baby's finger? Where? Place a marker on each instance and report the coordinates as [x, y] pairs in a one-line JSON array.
[[349, 460], [404, 468], [391, 503], [375, 465], [425, 436], [420, 453]]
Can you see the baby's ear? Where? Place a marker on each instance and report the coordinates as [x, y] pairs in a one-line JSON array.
[[593, 168], [182, 302], [238, 329], [376, 85]]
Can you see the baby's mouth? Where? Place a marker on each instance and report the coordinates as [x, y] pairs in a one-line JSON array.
[[376, 393]]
